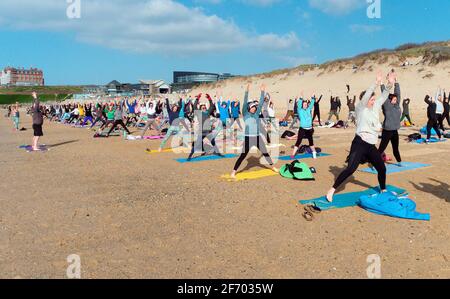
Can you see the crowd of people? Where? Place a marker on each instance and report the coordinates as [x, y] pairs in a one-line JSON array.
[[203, 117]]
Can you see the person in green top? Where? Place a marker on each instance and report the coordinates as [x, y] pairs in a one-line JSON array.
[[251, 112], [110, 111]]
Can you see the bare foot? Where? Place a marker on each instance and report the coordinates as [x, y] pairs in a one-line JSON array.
[[159, 149], [233, 174], [275, 169], [330, 194]]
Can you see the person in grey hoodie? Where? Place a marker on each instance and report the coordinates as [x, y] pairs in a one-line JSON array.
[[363, 147], [391, 125]]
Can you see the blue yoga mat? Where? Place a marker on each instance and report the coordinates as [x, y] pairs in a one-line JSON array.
[[431, 140], [302, 156], [206, 158], [394, 168], [347, 199], [423, 131]]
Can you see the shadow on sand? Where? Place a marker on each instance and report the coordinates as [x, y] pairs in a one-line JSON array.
[[253, 162], [62, 143], [440, 190], [336, 171]]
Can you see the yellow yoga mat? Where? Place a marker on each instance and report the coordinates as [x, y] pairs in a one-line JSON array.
[[251, 175], [167, 150]]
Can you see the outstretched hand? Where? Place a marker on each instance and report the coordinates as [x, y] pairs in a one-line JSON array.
[[379, 79], [263, 87], [392, 78]]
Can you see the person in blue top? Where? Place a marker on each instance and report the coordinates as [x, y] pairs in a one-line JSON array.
[[131, 112], [304, 111], [251, 112], [224, 113], [235, 113]]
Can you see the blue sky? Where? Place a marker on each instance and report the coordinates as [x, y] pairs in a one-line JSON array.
[[130, 40]]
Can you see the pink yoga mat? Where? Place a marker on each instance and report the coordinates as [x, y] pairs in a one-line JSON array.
[[153, 137]]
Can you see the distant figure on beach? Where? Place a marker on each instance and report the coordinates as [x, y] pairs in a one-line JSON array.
[[16, 116], [335, 107], [316, 112], [38, 121]]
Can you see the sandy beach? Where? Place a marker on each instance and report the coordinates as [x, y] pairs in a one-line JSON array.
[[129, 214]]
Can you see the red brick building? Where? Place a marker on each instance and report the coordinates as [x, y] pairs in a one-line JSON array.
[[22, 77]]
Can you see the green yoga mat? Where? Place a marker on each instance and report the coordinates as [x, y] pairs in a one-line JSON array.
[[346, 200]]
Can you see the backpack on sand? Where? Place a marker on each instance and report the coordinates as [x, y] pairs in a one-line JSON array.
[[413, 137], [298, 171]]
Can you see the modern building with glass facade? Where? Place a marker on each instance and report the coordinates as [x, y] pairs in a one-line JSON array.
[[187, 80]]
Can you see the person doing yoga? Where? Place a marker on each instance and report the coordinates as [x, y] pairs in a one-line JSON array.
[[391, 125], [204, 127], [306, 130], [363, 147], [317, 110], [432, 119], [251, 112]]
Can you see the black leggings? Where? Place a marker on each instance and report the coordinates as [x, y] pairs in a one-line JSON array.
[[317, 114], [390, 136], [97, 119], [407, 116], [359, 152], [116, 123], [447, 117], [440, 118], [435, 126], [249, 142], [200, 139], [305, 134]]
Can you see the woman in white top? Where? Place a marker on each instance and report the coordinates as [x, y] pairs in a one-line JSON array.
[[363, 147]]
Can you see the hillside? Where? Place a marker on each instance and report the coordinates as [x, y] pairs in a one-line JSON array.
[[22, 94], [421, 69]]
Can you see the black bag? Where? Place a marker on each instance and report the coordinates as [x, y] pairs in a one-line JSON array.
[[415, 136], [287, 134]]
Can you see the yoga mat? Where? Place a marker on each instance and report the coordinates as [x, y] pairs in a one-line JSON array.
[[347, 199], [167, 150], [394, 168], [431, 140], [156, 137], [206, 158], [251, 175], [29, 148], [302, 156]]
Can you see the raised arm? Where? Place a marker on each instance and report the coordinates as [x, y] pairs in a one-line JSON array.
[[427, 100], [245, 105], [397, 92], [311, 105], [167, 105], [211, 104], [261, 100], [320, 98]]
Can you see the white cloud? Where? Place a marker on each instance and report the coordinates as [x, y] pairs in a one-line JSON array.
[[293, 61], [163, 26], [261, 2], [337, 7], [358, 28]]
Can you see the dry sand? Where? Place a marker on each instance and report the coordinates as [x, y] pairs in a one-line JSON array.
[[416, 80], [128, 214]]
